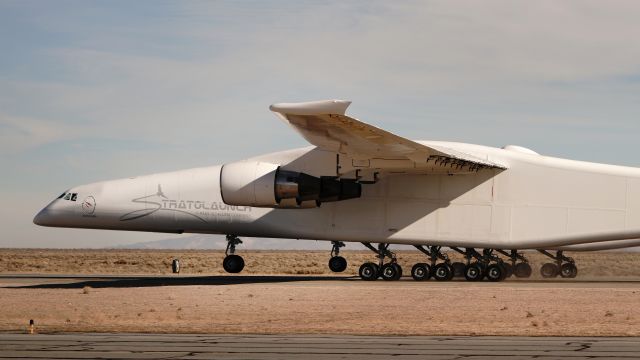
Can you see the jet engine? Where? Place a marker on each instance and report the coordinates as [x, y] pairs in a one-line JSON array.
[[261, 184]]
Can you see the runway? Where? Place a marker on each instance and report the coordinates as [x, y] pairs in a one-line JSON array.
[[176, 346]]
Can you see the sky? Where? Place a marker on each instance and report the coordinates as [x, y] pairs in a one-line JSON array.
[[95, 90]]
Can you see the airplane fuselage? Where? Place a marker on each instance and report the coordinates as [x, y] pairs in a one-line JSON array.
[[537, 202]]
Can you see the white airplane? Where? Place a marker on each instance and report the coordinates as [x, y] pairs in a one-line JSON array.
[[359, 183]]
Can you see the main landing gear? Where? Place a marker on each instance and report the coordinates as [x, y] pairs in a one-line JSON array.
[[232, 263], [562, 265], [485, 264], [477, 267], [519, 264], [337, 263], [443, 271], [390, 271]]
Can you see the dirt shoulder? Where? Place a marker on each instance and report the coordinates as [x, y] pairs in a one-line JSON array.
[[199, 262]]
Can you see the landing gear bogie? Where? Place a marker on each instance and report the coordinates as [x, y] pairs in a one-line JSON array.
[[562, 265]]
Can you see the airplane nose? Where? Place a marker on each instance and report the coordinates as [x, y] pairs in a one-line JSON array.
[[43, 218]]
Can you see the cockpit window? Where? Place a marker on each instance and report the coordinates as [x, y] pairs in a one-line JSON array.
[[74, 196], [61, 195], [68, 196]]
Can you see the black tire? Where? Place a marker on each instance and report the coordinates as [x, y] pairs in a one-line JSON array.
[[337, 264], [421, 272], [458, 269], [568, 270], [495, 272], [508, 270], [175, 266], [389, 272], [522, 270], [398, 270], [473, 272], [369, 271], [233, 264], [549, 270], [442, 272]]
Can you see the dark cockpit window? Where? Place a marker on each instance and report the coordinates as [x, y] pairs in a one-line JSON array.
[[74, 196], [68, 196], [61, 195]]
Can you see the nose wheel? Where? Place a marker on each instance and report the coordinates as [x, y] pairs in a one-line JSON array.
[[232, 263]]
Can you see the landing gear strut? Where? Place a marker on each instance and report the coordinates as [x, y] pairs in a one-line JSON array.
[[337, 263], [389, 271], [232, 263], [563, 266]]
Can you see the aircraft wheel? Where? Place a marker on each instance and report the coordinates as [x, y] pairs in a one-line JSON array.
[[549, 270], [389, 272], [442, 272], [369, 271], [337, 264], [508, 270], [568, 270], [522, 270], [458, 269], [473, 272], [421, 272], [495, 272], [398, 270], [233, 264]]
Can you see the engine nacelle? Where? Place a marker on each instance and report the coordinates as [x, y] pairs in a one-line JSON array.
[[261, 184]]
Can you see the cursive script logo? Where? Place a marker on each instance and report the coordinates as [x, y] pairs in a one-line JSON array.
[[160, 202]]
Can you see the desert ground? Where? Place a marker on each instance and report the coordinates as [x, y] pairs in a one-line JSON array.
[[209, 262], [293, 292]]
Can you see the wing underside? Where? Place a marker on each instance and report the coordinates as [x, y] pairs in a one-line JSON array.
[[324, 124]]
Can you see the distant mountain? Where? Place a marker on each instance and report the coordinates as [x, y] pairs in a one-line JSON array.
[[209, 242]]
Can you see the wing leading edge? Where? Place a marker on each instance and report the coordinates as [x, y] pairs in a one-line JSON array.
[[324, 124]]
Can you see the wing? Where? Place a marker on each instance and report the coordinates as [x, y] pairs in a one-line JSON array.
[[324, 124]]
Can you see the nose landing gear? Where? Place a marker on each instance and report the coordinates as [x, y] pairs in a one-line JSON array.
[[232, 263], [337, 263]]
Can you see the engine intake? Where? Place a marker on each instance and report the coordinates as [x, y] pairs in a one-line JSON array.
[[263, 184]]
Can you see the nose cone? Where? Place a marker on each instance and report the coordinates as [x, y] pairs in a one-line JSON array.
[[43, 218]]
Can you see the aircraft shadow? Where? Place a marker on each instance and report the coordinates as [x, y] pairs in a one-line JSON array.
[[132, 281]]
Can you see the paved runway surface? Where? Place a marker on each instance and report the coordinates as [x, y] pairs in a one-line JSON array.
[[169, 346]]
